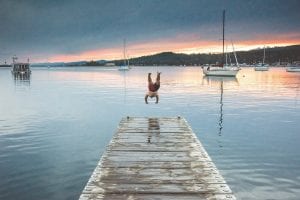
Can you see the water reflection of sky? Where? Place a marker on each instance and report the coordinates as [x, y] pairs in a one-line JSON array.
[[54, 129]]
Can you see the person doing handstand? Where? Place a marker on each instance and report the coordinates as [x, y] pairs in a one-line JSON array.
[[153, 88]]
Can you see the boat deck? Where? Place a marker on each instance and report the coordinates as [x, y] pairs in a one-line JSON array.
[[156, 158]]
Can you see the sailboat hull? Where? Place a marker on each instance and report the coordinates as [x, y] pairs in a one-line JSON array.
[[293, 69], [261, 68], [221, 71]]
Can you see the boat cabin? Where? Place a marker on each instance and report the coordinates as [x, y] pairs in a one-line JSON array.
[[21, 68]]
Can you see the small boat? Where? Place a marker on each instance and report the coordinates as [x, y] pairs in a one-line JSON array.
[[222, 70], [5, 64], [126, 66], [20, 68], [293, 69], [123, 68], [262, 66]]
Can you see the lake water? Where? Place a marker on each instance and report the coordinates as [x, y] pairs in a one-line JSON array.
[[55, 126]]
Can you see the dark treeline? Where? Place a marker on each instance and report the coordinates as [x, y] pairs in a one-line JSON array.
[[276, 54], [283, 54]]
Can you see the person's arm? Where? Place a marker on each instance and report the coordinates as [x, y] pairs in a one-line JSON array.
[[146, 98], [157, 98]]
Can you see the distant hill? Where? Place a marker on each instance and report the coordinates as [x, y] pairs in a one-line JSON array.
[[76, 63], [275, 54], [48, 64]]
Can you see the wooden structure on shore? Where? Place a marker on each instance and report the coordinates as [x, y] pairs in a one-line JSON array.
[[156, 158]]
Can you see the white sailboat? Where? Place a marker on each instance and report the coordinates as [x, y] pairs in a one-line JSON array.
[[295, 67], [222, 70], [125, 66], [262, 66]]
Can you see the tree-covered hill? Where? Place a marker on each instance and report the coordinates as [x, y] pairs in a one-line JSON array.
[[275, 54]]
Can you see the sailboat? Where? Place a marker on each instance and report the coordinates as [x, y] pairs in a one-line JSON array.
[[222, 70], [262, 66], [125, 66], [295, 67]]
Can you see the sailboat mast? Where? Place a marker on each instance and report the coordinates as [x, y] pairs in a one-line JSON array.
[[264, 55], [124, 46], [223, 37], [226, 57]]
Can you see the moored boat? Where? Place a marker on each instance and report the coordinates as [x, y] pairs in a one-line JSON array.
[[262, 66], [20, 67], [123, 68], [5, 64], [126, 66], [293, 69], [222, 70]]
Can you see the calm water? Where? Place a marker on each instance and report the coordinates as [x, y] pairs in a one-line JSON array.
[[55, 126]]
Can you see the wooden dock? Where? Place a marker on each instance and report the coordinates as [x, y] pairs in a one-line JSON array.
[[156, 158]]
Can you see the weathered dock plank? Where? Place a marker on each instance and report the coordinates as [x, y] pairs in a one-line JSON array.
[[156, 158]]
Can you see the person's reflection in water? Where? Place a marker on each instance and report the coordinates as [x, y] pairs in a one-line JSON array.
[[153, 129]]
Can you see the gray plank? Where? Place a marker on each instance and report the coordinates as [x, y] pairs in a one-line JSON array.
[[158, 196], [160, 165], [112, 188]]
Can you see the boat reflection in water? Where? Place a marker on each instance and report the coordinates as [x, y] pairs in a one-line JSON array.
[[153, 130], [221, 81]]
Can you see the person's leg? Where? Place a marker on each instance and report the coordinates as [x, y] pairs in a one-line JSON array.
[[158, 78], [146, 98], [149, 78]]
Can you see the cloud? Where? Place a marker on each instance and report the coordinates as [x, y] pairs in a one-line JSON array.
[[47, 28]]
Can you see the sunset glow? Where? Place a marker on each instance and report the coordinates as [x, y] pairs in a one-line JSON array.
[[59, 34], [188, 43]]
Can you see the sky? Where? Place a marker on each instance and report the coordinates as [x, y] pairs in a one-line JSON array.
[[75, 30]]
